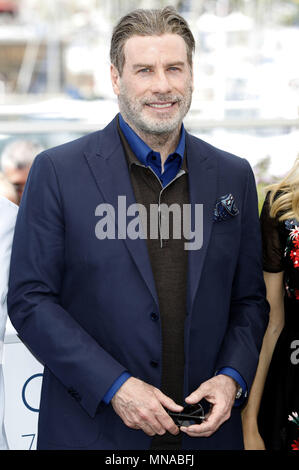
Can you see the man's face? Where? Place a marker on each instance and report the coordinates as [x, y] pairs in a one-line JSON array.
[[18, 177], [155, 88]]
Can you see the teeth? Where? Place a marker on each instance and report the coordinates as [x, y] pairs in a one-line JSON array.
[[161, 105]]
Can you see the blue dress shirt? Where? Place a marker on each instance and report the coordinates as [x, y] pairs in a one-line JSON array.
[[148, 157], [172, 165]]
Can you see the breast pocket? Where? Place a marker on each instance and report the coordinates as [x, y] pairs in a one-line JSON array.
[[231, 225]]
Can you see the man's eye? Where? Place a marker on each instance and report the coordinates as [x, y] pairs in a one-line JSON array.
[[144, 70], [173, 69]]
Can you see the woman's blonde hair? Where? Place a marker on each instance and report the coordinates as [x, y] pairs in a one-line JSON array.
[[284, 196]]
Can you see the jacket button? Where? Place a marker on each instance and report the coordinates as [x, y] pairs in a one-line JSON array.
[[154, 316], [154, 364]]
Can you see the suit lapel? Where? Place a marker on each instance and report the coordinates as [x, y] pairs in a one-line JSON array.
[[202, 168], [110, 169]]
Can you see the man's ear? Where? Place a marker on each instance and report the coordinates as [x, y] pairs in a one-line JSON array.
[[114, 79]]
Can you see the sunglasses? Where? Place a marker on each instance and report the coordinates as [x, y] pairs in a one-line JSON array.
[[191, 414]]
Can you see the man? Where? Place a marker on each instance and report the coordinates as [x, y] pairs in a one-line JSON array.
[[8, 212], [16, 161], [7, 189], [130, 327]]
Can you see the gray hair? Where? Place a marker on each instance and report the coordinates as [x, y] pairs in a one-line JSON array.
[[149, 23], [20, 154]]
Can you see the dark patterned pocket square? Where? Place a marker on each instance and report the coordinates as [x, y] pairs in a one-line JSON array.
[[225, 208]]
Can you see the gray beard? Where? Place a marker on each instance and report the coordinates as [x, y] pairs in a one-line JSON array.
[[132, 113]]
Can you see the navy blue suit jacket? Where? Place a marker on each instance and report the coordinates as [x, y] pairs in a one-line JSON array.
[[84, 305]]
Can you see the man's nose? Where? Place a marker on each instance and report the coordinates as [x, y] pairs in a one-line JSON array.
[[161, 83]]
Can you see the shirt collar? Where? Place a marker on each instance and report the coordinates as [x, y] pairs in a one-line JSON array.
[[140, 148]]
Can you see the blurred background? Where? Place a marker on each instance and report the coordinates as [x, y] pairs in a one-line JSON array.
[[55, 82]]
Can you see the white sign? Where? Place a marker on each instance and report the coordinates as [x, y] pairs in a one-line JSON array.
[[22, 380]]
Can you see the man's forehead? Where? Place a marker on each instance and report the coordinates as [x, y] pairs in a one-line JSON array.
[[171, 46]]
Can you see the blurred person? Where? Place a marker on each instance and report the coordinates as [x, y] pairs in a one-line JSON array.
[[8, 212], [269, 418], [8, 190], [16, 161], [128, 328]]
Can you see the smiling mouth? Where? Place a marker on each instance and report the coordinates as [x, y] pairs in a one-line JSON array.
[[161, 105]]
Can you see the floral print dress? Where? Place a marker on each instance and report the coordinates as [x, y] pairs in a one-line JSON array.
[[281, 392]]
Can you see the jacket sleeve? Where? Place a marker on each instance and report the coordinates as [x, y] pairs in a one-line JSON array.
[[36, 277], [249, 308]]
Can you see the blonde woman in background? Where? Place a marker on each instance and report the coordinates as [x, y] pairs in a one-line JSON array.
[[270, 419], [8, 213]]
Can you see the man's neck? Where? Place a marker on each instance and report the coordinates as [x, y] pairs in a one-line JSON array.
[[165, 144]]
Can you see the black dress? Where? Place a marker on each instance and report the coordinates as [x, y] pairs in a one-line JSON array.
[[281, 392]]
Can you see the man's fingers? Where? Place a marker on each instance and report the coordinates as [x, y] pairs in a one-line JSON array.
[[152, 418], [141, 406], [158, 419], [168, 423], [215, 415], [148, 429], [164, 418], [196, 396], [168, 402], [208, 427], [159, 422], [195, 431]]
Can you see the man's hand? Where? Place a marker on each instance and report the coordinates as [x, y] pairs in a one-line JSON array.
[[140, 406], [220, 391]]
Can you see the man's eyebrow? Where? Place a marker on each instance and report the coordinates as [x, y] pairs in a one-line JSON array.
[[141, 66], [146, 66], [172, 64]]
